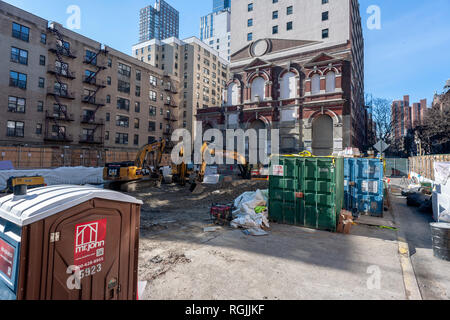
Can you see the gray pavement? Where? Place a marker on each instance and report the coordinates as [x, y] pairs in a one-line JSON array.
[[433, 275], [290, 263]]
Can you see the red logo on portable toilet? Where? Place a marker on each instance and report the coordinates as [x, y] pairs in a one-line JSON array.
[[90, 243]]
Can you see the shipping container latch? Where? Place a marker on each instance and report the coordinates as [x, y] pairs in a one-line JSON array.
[[54, 237]]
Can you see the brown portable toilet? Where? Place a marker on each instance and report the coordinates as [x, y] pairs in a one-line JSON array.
[[69, 243]]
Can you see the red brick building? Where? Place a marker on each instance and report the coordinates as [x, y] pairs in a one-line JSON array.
[[406, 117], [311, 90]]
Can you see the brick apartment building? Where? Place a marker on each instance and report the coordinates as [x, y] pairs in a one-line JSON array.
[[60, 88], [298, 68], [406, 116]]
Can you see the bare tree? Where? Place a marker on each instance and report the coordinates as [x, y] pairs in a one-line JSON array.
[[381, 110]]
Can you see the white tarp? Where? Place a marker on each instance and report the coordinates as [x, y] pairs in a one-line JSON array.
[[441, 203], [64, 175], [245, 215], [442, 177]]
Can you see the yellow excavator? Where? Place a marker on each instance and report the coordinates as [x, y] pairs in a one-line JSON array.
[[146, 167], [244, 167]]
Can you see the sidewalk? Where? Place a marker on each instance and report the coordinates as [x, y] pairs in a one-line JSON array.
[[432, 274]]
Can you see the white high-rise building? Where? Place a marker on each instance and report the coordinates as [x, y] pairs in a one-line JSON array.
[[215, 32]]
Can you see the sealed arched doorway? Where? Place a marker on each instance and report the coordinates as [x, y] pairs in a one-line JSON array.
[[322, 131]]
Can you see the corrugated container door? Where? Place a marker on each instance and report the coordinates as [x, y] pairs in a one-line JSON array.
[[319, 188], [282, 186]]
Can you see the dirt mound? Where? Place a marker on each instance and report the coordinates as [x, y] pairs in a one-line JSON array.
[[173, 197]]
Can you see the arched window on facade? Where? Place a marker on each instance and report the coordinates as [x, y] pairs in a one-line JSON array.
[[233, 94], [315, 84], [331, 81], [288, 86], [258, 89]]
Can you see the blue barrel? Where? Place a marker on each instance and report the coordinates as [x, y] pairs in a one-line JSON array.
[[363, 186]]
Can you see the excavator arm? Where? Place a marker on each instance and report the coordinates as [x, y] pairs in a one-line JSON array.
[[157, 147]]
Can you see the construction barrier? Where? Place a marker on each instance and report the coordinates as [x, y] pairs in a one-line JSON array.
[[424, 166], [396, 167], [56, 157]]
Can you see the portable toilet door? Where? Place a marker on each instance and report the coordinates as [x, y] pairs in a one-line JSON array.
[[101, 233], [75, 243]]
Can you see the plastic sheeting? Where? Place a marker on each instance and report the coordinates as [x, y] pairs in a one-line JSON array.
[[245, 215], [64, 175]]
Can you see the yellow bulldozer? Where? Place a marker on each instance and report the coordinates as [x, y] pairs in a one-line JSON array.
[[146, 167]]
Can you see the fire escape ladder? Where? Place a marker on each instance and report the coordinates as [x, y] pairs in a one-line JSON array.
[[61, 61]]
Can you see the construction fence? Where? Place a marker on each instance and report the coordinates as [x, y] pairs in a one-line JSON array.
[[56, 157], [396, 167], [424, 166]]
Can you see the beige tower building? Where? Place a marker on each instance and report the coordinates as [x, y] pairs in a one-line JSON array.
[[202, 74]]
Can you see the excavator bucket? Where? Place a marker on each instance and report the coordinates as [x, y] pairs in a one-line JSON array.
[[197, 188]]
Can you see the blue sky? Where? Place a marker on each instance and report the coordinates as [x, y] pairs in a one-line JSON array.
[[409, 55]]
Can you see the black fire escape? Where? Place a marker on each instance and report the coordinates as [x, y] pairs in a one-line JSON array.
[[170, 115], [92, 99], [59, 90]]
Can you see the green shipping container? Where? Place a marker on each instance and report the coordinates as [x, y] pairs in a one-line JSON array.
[[307, 192]]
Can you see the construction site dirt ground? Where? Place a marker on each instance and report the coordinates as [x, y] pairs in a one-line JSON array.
[[181, 261]]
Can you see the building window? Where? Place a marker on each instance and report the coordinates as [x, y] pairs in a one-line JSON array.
[[40, 106], [136, 123], [138, 75], [108, 81], [18, 80], [42, 60], [315, 84], [91, 57], [16, 105], [325, 16], [122, 121], [20, 32], [288, 86], [138, 91], [19, 56], [123, 104], [152, 95], [136, 140], [39, 129], [250, 7], [324, 1], [151, 126], [325, 33], [123, 86], [274, 29], [289, 26], [108, 99], [109, 63], [41, 83], [153, 81], [107, 135], [124, 70], [108, 117], [249, 36], [152, 111], [249, 22], [289, 10], [275, 15], [330, 82], [15, 129], [137, 107], [258, 89], [43, 38], [122, 138]]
